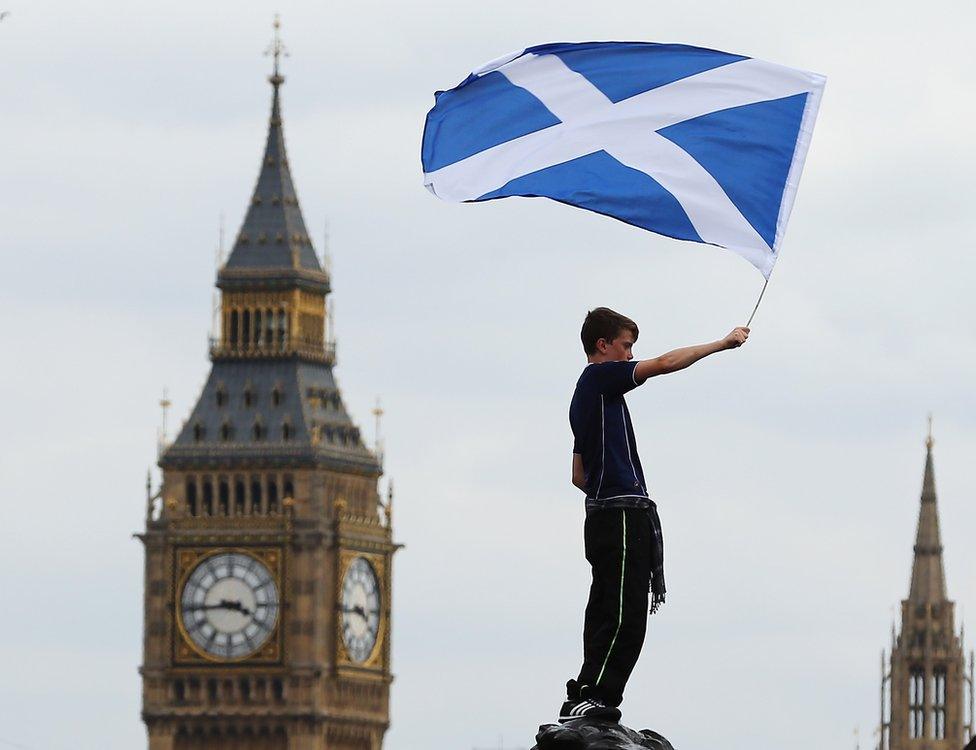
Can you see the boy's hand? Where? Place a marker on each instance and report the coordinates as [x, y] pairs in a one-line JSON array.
[[736, 338]]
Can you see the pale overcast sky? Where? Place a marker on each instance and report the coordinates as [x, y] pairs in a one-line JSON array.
[[787, 473]]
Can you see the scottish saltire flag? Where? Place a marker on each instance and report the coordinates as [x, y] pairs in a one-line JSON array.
[[687, 142]]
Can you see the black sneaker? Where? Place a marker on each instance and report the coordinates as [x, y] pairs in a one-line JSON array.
[[582, 705]]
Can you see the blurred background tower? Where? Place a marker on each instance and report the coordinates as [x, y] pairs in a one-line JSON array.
[[268, 545], [926, 693]]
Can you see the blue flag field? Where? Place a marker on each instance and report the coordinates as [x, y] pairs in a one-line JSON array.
[[690, 143]]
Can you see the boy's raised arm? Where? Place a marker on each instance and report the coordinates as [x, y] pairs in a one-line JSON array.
[[679, 359]]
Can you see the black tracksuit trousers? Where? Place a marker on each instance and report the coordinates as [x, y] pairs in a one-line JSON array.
[[618, 548]]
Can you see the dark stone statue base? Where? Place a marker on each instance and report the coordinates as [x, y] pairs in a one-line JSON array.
[[587, 734]]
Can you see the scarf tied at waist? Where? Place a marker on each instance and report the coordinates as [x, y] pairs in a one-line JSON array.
[[656, 585]]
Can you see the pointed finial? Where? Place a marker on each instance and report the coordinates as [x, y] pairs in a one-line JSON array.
[[276, 50], [215, 296], [161, 432], [326, 256], [388, 507], [164, 404], [930, 441], [220, 242], [377, 436], [330, 330]]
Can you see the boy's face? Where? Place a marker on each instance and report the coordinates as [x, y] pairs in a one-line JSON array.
[[618, 350]]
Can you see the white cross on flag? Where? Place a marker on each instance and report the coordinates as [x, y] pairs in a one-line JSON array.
[[690, 143]]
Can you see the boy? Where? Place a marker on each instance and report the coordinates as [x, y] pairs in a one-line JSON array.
[[622, 532]]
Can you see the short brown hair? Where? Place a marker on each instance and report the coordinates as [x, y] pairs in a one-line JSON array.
[[604, 323]]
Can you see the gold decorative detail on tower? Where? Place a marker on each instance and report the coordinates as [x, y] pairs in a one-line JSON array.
[[276, 50], [377, 434]]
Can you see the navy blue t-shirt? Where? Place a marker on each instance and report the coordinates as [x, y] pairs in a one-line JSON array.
[[603, 433]]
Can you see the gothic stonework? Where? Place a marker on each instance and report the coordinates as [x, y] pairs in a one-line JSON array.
[[268, 547], [926, 678]]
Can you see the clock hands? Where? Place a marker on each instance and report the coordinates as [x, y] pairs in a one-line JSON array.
[[361, 611], [235, 606]]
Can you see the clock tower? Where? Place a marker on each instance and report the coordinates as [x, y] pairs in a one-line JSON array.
[[268, 546]]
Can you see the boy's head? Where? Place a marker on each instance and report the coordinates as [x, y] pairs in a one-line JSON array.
[[608, 336]]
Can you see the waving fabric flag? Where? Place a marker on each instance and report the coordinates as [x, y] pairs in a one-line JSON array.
[[687, 142]]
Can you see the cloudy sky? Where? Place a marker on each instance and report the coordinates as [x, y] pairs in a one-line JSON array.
[[787, 472]]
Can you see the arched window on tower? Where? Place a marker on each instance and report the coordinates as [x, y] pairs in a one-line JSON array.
[[939, 704], [282, 328], [255, 495], [221, 394], [246, 329], [198, 432], [223, 497], [191, 495], [207, 496], [257, 328], [287, 431], [269, 328], [916, 703], [249, 397], [226, 431], [239, 493], [289, 487], [258, 431], [233, 333], [276, 395], [272, 494]]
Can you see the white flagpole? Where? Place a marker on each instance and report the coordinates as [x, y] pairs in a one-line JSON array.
[[757, 302]]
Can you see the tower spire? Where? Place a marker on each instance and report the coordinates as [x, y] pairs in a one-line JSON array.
[[928, 573], [273, 236], [926, 680]]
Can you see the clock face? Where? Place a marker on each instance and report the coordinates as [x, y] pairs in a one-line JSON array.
[[360, 609], [229, 605]]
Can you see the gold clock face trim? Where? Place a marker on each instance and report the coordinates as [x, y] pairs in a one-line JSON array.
[[361, 610], [228, 604]]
